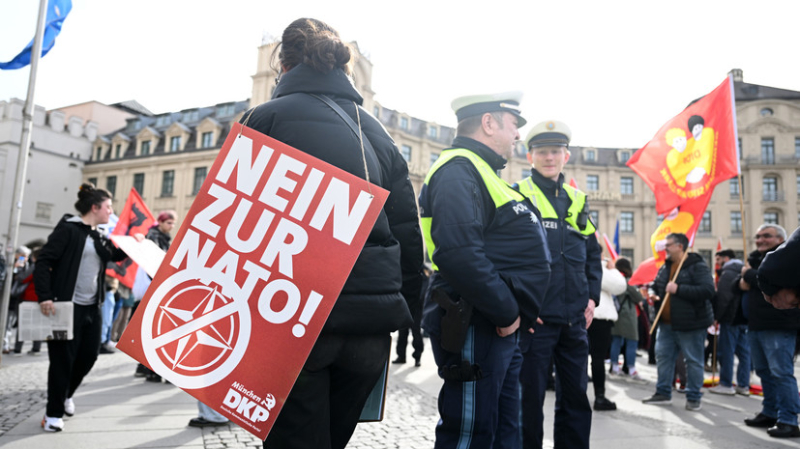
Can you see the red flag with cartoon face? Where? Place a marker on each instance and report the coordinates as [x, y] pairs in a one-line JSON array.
[[135, 218], [693, 152]]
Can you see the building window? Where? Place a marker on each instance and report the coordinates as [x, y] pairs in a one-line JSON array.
[[626, 185], [163, 120], [111, 185], [624, 156], [769, 188], [626, 222], [767, 151], [405, 150], [594, 216], [435, 157], [739, 147], [433, 132], [138, 182], [708, 256], [626, 253], [199, 176], [525, 173], [225, 110], [99, 154], [590, 156], [174, 143], [771, 218], [734, 187], [376, 111], [92, 181], [736, 222], [44, 211], [207, 137], [798, 184], [705, 223], [766, 112], [145, 148], [797, 147], [592, 183], [117, 151], [404, 122], [167, 183], [190, 116]]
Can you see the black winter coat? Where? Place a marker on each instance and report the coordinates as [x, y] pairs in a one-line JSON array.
[[761, 315], [690, 306], [728, 297], [781, 267], [56, 269], [391, 260]]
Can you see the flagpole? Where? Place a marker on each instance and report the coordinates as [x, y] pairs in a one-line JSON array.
[[22, 167], [741, 212]]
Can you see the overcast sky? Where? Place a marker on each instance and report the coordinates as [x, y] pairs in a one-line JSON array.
[[614, 71]]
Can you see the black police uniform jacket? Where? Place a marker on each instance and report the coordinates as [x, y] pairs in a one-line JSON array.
[[391, 260], [690, 307], [56, 270], [576, 266], [495, 259]]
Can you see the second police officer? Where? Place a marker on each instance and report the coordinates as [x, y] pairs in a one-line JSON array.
[[573, 292], [491, 269]]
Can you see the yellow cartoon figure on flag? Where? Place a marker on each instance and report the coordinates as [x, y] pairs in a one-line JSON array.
[[689, 161], [675, 222]]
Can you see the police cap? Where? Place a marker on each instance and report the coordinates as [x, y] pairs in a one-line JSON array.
[[548, 133], [472, 105]]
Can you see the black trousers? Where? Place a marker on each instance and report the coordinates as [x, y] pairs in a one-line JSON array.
[[416, 334], [325, 403], [599, 345], [71, 360]]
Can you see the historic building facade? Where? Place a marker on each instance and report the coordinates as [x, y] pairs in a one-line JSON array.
[[166, 157], [60, 145]]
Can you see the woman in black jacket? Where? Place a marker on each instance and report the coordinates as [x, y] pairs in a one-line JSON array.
[[71, 267], [349, 356]]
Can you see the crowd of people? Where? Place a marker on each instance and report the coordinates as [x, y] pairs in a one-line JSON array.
[[516, 288]]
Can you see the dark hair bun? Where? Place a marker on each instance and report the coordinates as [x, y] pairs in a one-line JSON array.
[[316, 44]]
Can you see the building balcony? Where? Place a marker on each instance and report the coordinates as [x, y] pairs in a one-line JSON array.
[[773, 196]]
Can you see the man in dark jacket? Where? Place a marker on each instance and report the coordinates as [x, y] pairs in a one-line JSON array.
[[573, 293], [772, 334], [777, 275], [732, 328], [491, 268], [683, 323]]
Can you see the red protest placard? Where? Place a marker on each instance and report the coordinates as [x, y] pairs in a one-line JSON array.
[[251, 277]]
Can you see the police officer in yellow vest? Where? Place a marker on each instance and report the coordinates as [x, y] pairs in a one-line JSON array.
[[491, 267], [573, 292]]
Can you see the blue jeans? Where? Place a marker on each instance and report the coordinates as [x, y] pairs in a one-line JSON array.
[[630, 350], [733, 340], [108, 317], [209, 414], [772, 353], [668, 344]]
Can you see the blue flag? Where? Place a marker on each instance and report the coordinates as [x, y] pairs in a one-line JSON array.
[[616, 238], [57, 11]]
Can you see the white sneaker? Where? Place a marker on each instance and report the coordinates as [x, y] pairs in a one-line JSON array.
[[69, 407], [722, 389], [634, 376], [744, 391], [52, 424]]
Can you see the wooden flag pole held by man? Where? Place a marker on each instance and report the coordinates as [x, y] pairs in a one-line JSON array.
[[665, 303]]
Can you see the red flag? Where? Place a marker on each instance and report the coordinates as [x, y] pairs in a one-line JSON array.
[[684, 219], [645, 273], [610, 248], [692, 152], [573, 183], [135, 218]]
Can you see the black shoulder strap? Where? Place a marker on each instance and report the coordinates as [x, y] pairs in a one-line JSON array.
[[353, 127]]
